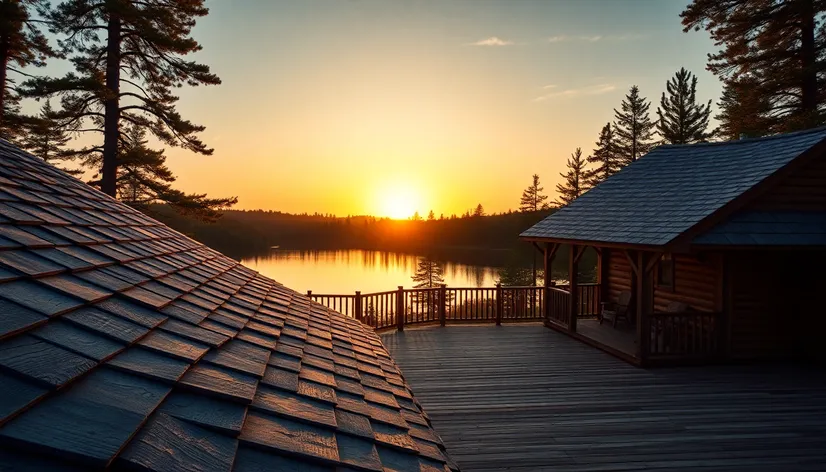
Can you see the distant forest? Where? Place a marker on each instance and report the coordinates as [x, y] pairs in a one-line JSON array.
[[241, 233]]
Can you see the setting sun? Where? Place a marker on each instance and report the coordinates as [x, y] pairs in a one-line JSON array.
[[398, 201]]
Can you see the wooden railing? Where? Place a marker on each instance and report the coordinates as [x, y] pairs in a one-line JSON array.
[[459, 304], [685, 335]]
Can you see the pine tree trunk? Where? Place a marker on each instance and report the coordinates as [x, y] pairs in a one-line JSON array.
[[4, 63], [808, 58], [112, 105]]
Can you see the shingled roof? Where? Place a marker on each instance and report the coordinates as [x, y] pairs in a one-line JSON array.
[[125, 344], [674, 187]]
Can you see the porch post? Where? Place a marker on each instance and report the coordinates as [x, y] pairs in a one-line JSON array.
[[602, 278], [645, 302], [547, 261], [573, 270]]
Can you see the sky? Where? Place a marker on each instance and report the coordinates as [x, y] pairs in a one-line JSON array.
[[384, 107]]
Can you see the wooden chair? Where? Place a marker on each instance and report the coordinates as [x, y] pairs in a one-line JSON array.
[[615, 310]]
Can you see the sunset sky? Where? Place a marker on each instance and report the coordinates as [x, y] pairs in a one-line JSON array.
[[385, 106]]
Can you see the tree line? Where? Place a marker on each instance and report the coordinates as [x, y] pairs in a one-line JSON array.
[[128, 57], [772, 62]]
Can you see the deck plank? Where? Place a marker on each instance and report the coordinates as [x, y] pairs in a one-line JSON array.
[[526, 398]]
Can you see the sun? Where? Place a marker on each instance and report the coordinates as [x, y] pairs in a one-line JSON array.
[[398, 202]]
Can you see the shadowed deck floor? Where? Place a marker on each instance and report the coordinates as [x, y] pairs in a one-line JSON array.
[[526, 398]]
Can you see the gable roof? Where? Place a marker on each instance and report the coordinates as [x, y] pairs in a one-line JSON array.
[[671, 189], [125, 344]]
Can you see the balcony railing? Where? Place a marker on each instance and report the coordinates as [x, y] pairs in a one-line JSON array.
[[444, 304]]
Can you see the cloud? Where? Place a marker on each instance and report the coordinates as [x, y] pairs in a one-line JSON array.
[[492, 41], [549, 86], [598, 89]]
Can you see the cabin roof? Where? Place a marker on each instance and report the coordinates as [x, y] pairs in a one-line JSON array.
[[126, 344], [672, 189]]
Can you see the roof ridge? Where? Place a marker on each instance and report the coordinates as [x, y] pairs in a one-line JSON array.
[[746, 140]]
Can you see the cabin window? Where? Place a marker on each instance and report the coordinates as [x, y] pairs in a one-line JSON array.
[[665, 272]]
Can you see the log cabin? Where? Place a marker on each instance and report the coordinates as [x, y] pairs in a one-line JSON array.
[[720, 245], [125, 345]]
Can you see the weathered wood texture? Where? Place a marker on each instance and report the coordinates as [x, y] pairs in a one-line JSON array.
[[695, 281], [523, 398]]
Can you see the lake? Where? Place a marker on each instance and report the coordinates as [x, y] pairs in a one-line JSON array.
[[345, 271]]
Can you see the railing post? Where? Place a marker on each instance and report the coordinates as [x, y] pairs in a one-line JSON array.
[[359, 313], [500, 304], [573, 270], [310, 294], [400, 309], [443, 304]]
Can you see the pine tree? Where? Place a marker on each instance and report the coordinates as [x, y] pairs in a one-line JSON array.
[[429, 274], [479, 210], [633, 129], [780, 45], [532, 197], [22, 44], [742, 111], [605, 156], [144, 180], [576, 179], [46, 140], [681, 119], [129, 57], [431, 216]]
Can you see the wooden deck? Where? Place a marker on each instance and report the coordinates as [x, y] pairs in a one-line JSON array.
[[526, 398]]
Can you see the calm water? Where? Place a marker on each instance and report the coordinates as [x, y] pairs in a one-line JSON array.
[[345, 271]]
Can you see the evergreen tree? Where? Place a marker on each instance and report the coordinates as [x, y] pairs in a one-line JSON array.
[[429, 274], [605, 156], [576, 179], [46, 140], [633, 129], [144, 180], [431, 216], [781, 45], [742, 111], [129, 57], [22, 44], [681, 119], [479, 210], [532, 197]]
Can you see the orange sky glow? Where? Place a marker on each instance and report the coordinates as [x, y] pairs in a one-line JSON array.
[[390, 107]]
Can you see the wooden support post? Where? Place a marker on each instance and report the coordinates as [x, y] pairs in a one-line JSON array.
[[310, 294], [400, 308], [443, 304], [500, 305], [645, 303], [723, 307], [357, 306], [604, 262], [573, 270], [550, 252]]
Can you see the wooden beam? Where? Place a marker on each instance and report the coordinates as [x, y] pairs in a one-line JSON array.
[[538, 247], [580, 251], [631, 261], [653, 262], [573, 269], [644, 304], [603, 266], [547, 260]]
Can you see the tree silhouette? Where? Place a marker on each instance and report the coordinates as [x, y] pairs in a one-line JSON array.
[[606, 156], [532, 197], [431, 216], [46, 140], [743, 111], [633, 128], [576, 179], [144, 180], [22, 44], [429, 274], [479, 210], [681, 119], [780, 46], [128, 57]]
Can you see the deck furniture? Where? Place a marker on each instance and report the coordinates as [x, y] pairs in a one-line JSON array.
[[615, 310]]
